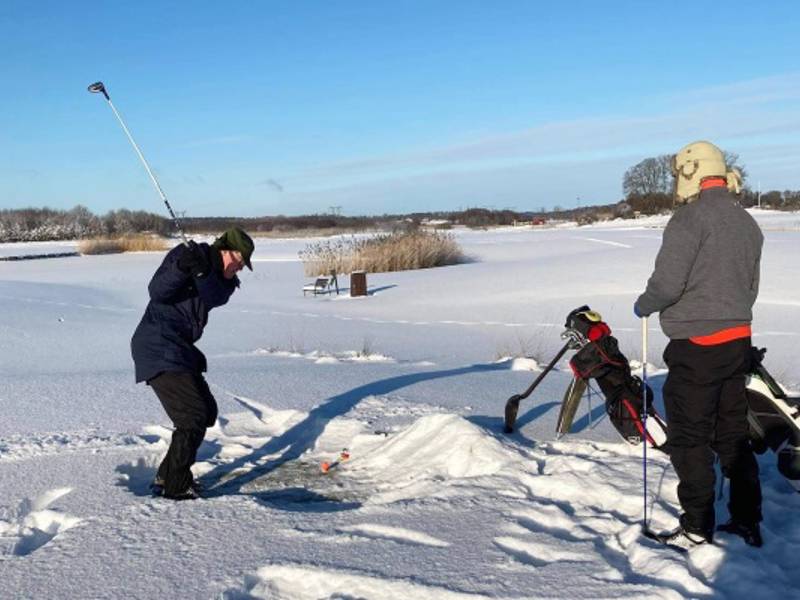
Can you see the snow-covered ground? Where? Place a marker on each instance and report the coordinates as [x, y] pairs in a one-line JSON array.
[[434, 501]]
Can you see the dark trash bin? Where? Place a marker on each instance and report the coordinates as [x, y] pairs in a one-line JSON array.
[[358, 283]]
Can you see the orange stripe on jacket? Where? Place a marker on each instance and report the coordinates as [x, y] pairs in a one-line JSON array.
[[722, 336]]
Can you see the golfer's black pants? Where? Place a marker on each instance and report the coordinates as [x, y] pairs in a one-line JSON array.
[[706, 404], [192, 408]]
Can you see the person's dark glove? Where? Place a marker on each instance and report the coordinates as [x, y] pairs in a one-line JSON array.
[[637, 311], [193, 261]]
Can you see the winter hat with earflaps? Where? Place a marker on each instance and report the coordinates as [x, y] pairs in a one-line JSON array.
[[697, 161], [236, 239]]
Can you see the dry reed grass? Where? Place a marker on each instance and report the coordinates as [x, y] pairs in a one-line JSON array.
[[382, 253], [130, 243]]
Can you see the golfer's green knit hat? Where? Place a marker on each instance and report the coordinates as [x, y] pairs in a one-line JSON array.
[[236, 239]]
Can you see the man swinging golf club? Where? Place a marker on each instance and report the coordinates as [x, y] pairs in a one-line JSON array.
[[192, 280], [704, 285]]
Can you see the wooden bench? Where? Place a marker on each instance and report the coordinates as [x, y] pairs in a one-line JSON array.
[[324, 284]]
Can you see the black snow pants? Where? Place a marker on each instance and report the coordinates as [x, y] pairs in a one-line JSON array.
[[706, 409], [192, 408]]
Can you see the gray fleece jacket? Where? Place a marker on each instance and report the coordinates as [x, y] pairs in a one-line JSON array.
[[707, 270]]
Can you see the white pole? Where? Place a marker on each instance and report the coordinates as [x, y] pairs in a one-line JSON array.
[[644, 421]]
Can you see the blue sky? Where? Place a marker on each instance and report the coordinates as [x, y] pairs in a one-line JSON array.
[[273, 107]]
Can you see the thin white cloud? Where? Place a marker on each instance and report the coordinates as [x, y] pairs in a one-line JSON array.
[[553, 163], [762, 90], [735, 114]]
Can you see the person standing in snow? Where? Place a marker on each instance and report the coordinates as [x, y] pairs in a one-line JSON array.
[[704, 285], [191, 280]]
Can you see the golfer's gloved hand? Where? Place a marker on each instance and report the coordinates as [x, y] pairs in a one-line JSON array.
[[193, 261], [636, 311]]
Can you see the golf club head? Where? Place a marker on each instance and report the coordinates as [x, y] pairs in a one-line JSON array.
[[512, 406], [98, 88]]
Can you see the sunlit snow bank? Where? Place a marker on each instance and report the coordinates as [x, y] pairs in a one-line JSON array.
[[569, 502]]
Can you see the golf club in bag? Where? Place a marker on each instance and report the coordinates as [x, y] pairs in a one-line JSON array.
[[598, 359], [512, 404], [99, 88]]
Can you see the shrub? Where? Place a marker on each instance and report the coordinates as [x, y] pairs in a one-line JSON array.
[[129, 243], [399, 251]]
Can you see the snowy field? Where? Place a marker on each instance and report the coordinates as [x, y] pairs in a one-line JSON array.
[[434, 502]]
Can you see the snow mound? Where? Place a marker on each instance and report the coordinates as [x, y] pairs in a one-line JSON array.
[[429, 456], [520, 363], [310, 582], [444, 445]]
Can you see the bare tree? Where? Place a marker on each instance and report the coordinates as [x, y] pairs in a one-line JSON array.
[[654, 175], [732, 162], [650, 176]]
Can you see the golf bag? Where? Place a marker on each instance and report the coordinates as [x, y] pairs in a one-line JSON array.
[[600, 359], [774, 419]]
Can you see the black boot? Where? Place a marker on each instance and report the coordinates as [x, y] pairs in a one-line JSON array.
[[190, 493], [157, 487], [749, 532]]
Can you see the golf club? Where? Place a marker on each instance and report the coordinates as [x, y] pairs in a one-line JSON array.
[[99, 88]]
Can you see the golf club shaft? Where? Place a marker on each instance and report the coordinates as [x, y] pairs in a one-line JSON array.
[[546, 370], [146, 166], [512, 404]]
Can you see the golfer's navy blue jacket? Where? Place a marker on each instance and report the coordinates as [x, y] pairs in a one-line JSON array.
[[176, 315]]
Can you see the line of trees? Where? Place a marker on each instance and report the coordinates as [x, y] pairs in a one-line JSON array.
[[281, 223], [647, 186], [785, 200], [46, 224]]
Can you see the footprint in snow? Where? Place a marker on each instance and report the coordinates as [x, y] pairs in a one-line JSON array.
[[32, 524], [138, 476]]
